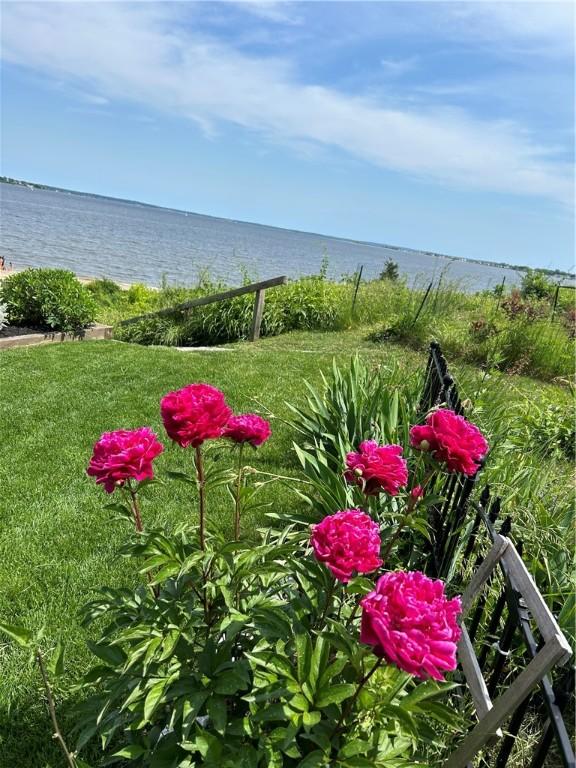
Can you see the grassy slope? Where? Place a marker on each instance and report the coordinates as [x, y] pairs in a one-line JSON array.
[[56, 541]]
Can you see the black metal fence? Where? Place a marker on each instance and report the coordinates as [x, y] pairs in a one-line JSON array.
[[447, 519], [500, 627]]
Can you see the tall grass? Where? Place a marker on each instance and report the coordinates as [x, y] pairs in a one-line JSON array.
[[509, 333]]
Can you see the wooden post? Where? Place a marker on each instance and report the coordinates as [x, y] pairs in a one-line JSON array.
[[257, 317]]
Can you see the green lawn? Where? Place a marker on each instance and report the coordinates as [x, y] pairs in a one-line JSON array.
[[57, 543]]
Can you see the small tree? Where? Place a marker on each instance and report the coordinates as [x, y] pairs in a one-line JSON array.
[[535, 285], [390, 271]]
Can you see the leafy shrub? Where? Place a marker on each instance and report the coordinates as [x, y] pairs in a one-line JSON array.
[[311, 303], [105, 291], [482, 329], [516, 309], [551, 431], [47, 298], [536, 285]]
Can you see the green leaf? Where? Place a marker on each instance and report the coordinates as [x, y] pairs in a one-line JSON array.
[[130, 751], [22, 635], [335, 694], [310, 719], [192, 706], [111, 654], [56, 663], [313, 760], [181, 477], [303, 656], [218, 713], [154, 697]]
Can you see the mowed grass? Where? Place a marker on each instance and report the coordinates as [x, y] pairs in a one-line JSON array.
[[58, 544]]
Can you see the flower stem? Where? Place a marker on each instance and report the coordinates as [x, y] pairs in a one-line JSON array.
[[237, 509], [409, 509], [329, 596], [70, 761], [202, 494], [135, 509], [134, 505], [350, 703]]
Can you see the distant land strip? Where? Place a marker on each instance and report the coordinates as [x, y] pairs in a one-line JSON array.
[[486, 263]]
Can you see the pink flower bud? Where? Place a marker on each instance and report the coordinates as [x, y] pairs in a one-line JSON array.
[[417, 492]]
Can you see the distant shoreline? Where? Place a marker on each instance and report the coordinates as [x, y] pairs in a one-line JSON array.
[[486, 263]]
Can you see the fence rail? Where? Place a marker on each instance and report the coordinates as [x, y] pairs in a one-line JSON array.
[[506, 630], [258, 289]]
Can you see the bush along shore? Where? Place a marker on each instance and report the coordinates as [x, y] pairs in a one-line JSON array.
[[529, 330]]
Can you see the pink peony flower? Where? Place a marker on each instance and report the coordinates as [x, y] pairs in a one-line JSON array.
[[123, 455], [194, 414], [248, 428], [347, 542], [377, 468], [451, 440], [410, 623]]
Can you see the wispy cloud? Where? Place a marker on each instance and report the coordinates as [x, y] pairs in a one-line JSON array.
[[398, 67], [92, 98], [270, 10], [157, 56]]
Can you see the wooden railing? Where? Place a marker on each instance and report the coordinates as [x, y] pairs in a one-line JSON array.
[[257, 288]]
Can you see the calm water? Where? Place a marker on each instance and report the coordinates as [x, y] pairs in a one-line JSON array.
[[129, 242]]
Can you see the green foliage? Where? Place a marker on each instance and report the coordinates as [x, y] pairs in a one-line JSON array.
[[359, 403], [105, 291], [47, 298], [536, 285], [551, 430], [501, 331], [390, 271], [311, 303], [514, 335]]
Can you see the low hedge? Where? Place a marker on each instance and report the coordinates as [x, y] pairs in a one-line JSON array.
[[51, 299]]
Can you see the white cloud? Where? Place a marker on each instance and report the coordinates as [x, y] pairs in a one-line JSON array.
[[147, 54], [548, 24]]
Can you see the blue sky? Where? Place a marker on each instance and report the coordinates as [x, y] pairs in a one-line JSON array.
[[442, 126]]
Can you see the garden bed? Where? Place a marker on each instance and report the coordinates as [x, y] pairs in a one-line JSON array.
[[13, 336], [57, 545]]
